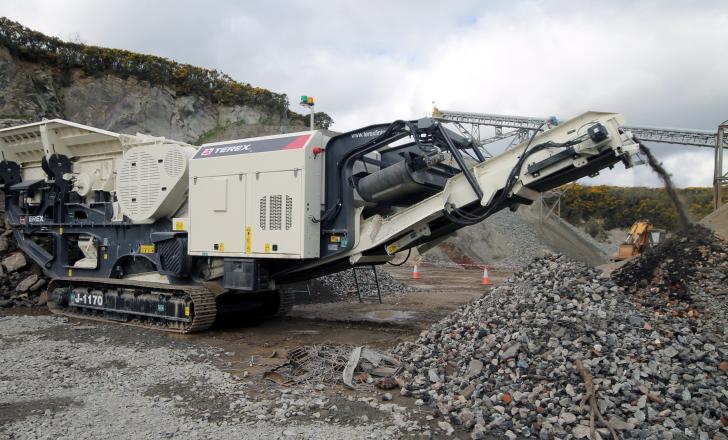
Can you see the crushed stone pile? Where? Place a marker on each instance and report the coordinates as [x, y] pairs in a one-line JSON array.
[[505, 240], [343, 285], [22, 282], [505, 364], [683, 264], [717, 221], [513, 239]]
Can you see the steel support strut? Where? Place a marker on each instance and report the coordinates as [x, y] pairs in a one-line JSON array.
[[719, 177]]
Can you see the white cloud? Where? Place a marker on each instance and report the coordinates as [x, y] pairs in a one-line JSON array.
[[369, 62]]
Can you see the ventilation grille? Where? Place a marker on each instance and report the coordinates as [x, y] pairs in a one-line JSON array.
[[289, 212], [174, 163], [138, 184], [263, 212], [276, 208], [270, 212]]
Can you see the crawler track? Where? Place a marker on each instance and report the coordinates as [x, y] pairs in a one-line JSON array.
[[287, 300], [197, 302]]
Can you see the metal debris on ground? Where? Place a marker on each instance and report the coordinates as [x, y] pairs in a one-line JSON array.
[[316, 364]]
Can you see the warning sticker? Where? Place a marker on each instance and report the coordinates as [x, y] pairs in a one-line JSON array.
[[247, 239]]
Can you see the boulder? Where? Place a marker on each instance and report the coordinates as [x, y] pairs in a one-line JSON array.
[[38, 284], [14, 261], [26, 284]]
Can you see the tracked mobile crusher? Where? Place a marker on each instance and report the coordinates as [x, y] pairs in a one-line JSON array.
[[153, 232]]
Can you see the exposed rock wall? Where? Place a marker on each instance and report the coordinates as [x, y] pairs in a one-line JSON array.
[[30, 92]]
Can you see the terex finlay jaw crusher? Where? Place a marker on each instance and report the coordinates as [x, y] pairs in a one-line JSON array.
[[158, 233]]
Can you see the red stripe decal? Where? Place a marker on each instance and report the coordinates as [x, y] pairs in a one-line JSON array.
[[297, 142]]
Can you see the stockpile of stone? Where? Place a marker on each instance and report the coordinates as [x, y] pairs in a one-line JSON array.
[[21, 282], [681, 267], [505, 364], [343, 285]]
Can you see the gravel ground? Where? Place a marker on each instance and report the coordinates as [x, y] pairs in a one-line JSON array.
[[62, 381]]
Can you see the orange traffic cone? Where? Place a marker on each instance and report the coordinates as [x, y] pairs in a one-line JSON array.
[[486, 278], [415, 273]]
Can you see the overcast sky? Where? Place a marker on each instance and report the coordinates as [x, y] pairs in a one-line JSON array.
[[659, 63]]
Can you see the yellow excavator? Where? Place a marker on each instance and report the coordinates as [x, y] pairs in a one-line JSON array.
[[641, 236]]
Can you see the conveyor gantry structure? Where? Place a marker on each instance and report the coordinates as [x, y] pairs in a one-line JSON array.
[[522, 125]]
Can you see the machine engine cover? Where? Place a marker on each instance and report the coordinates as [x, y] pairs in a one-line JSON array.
[[152, 181]]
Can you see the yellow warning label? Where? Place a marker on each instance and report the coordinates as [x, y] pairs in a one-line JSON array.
[[70, 272], [146, 248], [221, 247], [60, 231], [179, 226], [106, 256], [392, 248], [267, 247], [247, 239], [335, 239], [187, 310]]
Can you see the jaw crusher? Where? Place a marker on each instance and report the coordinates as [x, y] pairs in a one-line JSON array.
[[158, 233]]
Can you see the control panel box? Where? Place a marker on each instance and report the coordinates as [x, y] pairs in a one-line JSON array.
[[257, 197]]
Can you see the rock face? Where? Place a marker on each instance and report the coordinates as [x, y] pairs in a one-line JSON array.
[[30, 92], [655, 365]]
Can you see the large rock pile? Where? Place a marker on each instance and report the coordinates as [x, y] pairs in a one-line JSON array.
[[22, 282], [513, 239], [680, 267], [506, 363], [343, 285]]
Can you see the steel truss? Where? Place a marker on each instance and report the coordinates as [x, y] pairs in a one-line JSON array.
[[519, 127]]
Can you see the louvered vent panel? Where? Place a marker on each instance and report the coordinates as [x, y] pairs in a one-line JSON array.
[[139, 183], [263, 212], [276, 208], [174, 163], [289, 212]]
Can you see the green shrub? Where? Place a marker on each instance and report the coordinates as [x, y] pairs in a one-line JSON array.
[[619, 207]]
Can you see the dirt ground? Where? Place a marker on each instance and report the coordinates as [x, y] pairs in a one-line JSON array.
[[370, 323], [248, 349]]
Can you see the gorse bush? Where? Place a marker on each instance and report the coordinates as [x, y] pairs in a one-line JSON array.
[[184, 79], [619, 207]]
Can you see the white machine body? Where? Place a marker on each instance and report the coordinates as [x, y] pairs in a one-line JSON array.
[[256, 197], [152, 181]]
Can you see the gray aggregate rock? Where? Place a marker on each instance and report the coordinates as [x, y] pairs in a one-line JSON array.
[[652, 377], [343, 285], [95, 381]]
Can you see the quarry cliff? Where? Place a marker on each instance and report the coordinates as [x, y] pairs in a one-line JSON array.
[[122, 91]]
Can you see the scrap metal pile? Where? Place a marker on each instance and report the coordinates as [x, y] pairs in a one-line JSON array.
[[330, 364], [527, 359]]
